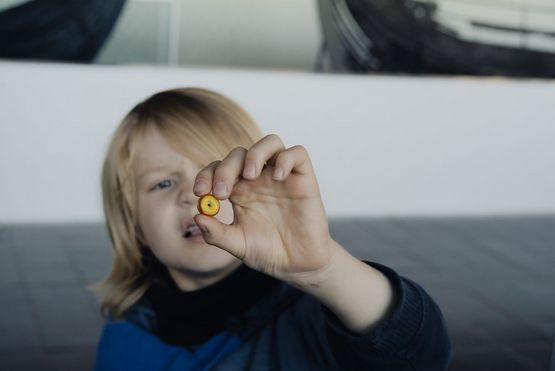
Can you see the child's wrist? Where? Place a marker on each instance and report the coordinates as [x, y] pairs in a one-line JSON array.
[[314, 282]]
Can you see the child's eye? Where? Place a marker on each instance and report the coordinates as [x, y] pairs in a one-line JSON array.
[[164, 184]]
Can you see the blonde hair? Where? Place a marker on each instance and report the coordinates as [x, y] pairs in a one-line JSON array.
[[198, 123]]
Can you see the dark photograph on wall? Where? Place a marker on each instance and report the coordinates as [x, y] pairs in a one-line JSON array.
[[467, 37]]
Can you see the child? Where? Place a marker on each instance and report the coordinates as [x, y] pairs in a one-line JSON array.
[[259, 286]]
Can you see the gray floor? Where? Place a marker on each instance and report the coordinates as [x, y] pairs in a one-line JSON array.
[[493, 278]]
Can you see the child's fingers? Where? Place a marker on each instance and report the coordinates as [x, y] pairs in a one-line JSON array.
[[227, 237], [227, 173], [266, 149], [203, 180], [220, 176], [295, 158]]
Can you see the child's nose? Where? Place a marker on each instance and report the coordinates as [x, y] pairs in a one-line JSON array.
[[188, 197]]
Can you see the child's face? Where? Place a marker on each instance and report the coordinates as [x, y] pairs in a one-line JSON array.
[[165, 202]]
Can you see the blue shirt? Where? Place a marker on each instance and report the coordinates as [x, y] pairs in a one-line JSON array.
[[290, 330]]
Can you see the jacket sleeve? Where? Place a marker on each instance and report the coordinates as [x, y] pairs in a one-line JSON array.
[[413, 337]]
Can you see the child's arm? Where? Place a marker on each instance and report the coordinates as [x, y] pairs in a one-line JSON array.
[[280, 228], [412, 336], [358, 294]]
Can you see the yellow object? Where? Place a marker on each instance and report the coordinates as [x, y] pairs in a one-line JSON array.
[[208, 205]]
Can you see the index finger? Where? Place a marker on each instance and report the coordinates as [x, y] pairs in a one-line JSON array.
[[265, 150]]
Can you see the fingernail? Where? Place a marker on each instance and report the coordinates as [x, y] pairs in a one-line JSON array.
[[278, 174], [220, 189], [250, 171], [199, 186]]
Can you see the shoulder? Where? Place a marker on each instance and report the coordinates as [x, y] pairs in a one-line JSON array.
[[141, 314], [125, 346]]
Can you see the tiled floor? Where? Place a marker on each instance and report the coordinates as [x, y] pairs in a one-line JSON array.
[[494, 279]]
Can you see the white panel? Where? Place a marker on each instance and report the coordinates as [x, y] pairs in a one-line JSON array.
[[141, 35], [541, 21], [250, 33], [467, 31], [547, 4], [465, 17], [402, 146], [541, 43], [504, 16]]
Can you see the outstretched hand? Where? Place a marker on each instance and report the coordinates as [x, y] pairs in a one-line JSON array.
[[280, 227]]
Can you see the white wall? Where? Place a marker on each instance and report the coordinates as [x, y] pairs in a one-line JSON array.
[[379, 145]]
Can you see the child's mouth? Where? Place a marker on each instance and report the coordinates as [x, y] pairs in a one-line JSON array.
[[192, 231]]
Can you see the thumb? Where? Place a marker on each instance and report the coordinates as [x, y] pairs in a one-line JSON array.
[[227, 237]]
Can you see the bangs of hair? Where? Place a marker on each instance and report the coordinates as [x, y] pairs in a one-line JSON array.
[[200, 124]]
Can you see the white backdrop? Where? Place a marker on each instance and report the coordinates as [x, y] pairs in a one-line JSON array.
[[379, 145]]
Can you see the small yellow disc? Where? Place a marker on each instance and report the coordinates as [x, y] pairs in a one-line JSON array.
[[208, 205]]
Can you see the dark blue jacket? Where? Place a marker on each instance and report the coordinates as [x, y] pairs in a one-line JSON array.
[[290, 330]]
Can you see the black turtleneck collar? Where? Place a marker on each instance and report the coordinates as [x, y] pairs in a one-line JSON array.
[[190, 318]]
